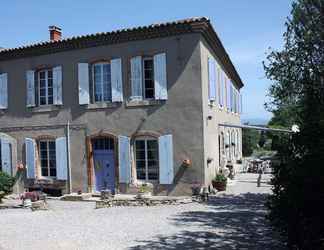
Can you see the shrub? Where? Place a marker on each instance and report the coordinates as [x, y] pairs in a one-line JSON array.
[[6, 184]]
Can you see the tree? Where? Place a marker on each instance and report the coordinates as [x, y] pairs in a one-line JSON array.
[[250, 140], [262, 139], [297, 96]]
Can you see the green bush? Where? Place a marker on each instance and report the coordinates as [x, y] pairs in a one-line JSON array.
[[6, 184]]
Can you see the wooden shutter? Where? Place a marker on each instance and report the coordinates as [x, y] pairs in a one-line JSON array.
[[237, 99], [136, 78], [57, 85], [4, 91], [116, 80], [83, 78], [30, 80], [160, 77], [211, 79], [241, 104], [166, 159], [6, 156], [30, 145], [124, 159], [61, 158], [228, 99]]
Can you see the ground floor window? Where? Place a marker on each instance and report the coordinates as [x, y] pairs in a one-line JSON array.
[[147, 159], [104, 143], [47, 156]]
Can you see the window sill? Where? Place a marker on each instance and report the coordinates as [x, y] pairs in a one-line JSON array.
[[138, 103], [44, 109], [103, 105]]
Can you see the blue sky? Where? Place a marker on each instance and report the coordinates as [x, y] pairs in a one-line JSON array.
[[247, 28]]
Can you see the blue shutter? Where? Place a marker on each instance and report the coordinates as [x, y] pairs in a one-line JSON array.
[[30, 145], [124, 159], [30, 86], [116, 80], [61, 158], [211, 79], [83, 78], [136, 78], [57, 85], [241, 104], [4, 91], [160, 77], [230, 96], [166, 159], [227, 100], [6, 156]]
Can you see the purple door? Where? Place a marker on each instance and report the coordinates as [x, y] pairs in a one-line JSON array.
[[104, 169]]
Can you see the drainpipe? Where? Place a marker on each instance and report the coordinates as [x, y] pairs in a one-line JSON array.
[[68, 157]]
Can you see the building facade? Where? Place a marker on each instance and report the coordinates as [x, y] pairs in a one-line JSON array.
[[113, 110]]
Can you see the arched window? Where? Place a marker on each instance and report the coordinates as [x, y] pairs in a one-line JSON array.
[[47, 156], [222, 142], [147, 158], [233, 146]]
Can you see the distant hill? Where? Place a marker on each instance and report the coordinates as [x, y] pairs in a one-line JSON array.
[[255, 121]]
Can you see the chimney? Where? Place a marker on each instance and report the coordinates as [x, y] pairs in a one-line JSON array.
[[55, 33]]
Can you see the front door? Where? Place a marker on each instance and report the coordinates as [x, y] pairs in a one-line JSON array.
[[104, 164]]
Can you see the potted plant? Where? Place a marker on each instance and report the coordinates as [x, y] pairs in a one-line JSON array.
[[145, 191], [220, 182]]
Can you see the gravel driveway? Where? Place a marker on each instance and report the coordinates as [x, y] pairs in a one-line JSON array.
[[234, 220]]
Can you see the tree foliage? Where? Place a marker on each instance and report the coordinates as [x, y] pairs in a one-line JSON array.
[[6, 184], [250, 139], [297, 97]]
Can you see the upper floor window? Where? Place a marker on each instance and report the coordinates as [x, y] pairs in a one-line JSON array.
[[149, 77], [102, 82], [45, 87]]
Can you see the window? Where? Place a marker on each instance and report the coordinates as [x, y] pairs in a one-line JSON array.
[[101, 82], [45, 87], [147, 159], [47, 158], [103, 144], [148, 78]]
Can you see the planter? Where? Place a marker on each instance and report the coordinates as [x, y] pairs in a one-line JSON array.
[[144, 195], [219, 185], [196, 190]]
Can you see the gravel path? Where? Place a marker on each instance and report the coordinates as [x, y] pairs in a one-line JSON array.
[[234, 220]]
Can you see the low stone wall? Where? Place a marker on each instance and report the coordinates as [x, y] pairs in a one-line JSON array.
[[139, 202]]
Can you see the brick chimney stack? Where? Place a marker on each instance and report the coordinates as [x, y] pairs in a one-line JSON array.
[[55, 33]]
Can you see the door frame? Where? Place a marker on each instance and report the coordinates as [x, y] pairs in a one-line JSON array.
[[90, 160]]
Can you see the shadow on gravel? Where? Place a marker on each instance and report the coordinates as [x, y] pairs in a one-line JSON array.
[[231, 222]]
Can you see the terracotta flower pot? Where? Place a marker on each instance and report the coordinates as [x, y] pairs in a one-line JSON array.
[[219, 185]]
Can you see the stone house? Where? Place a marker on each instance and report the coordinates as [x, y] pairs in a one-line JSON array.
[[115, 109]]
